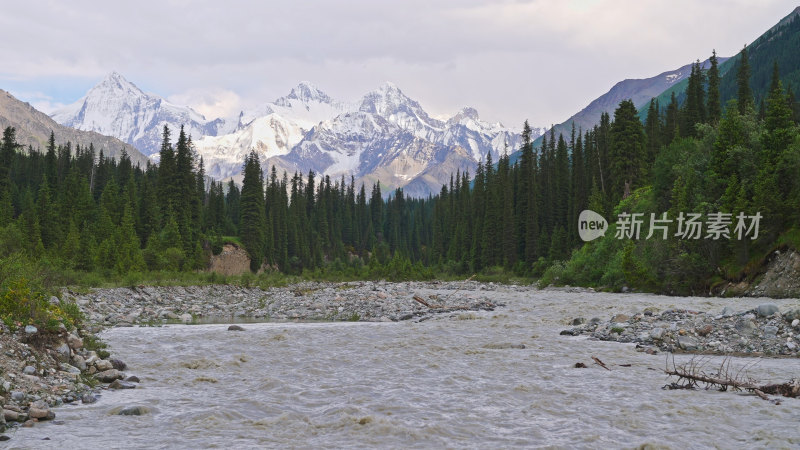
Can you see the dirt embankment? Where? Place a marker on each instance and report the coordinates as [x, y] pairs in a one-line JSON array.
[[233, 260], [781, 278], [777, 277]]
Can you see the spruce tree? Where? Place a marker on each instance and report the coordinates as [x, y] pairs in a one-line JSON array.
[[714, 108], [627, 157], [251, 223], [745, 95]]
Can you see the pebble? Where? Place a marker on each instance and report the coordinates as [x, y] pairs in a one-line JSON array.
[[767, 309], [103, 365], [74, 342], [120, 384], [235, 328], [88, 399], [118, 364], [30, 329], [133, 411], [303, 301], [750, 332], [110, 375], [29, 370]]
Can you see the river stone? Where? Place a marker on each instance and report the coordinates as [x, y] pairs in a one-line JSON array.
[[63, 352], [88, 398], [79, 362], [793, 314], [103, 364], [12, 416], [791, 345], [235, 328], [744, 326], [29, 370], [70, 368], [727, 311], [110, 375], [4, 437], [118, 364], [770, 332], [74, 342], [767, 309], [133, 379], [30, 329], [795, 323], [687, 343], [186, 318], [120, 384], [40, 410], [657, 333], [18, 396], [578, 321], [620, 318], [133, 411], [705, 330]]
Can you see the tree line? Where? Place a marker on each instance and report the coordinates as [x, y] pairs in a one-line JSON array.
[[82, 211]]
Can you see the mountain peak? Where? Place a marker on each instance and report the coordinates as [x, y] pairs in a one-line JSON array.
[[388, 86], [466, 112], [115, 82], [306, 91], [386, 100]]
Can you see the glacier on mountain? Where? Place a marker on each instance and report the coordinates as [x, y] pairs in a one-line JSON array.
[[383, 137]]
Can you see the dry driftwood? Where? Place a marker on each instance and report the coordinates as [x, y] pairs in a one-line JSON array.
[[693, 374], [600, 363]]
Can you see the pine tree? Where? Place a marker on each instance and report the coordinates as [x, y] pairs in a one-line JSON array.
[[653, 131], [166, 173], [627, 158], [745, 95], [671, 128], [251, 223], [714, 107]]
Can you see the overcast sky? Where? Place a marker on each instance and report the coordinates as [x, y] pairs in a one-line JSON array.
[[511, 60]]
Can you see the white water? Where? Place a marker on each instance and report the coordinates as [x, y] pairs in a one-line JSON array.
[[420, 385]]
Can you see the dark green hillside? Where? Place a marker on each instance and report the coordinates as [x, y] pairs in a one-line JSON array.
[[780, 44]]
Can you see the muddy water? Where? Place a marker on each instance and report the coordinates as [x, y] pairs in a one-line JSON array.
[[452, 381]]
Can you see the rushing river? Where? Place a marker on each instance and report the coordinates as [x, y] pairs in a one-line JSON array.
[[451, 381]]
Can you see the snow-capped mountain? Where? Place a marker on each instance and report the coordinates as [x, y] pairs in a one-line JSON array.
[[116, 107], [383, 137]]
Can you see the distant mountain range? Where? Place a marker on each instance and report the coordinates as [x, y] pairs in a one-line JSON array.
[[638, 90], [384, 137], [34, 127]]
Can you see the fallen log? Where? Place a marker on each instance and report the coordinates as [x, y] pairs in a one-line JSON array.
[[600, 363], [422, 301], [691, 375]]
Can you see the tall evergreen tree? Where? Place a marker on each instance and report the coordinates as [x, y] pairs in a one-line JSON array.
[[714, 107], [745, 94], [251, 223]]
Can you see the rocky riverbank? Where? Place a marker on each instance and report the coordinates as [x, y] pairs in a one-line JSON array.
[[39, 371], [762, 331], [357, 301]]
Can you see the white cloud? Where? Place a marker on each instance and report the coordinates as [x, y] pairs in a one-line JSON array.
[[212, 103], [38, 100], [511, 59]]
